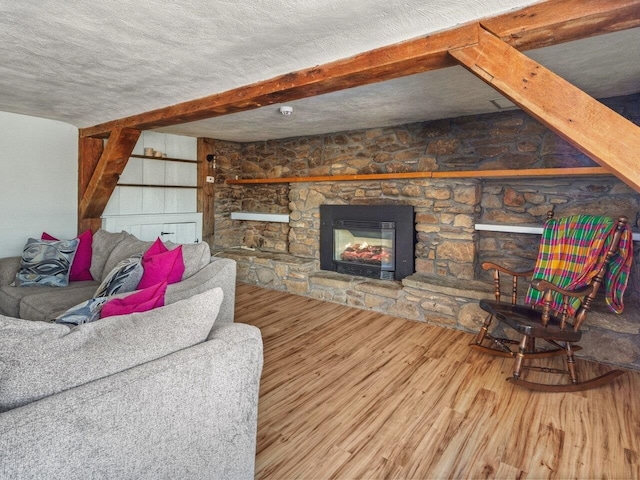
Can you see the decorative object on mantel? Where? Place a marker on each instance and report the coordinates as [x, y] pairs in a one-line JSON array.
[[163, 158], [150, 152], [213, 168], [526, 172]]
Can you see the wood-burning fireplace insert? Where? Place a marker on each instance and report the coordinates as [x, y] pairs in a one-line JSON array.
[[375, 241]]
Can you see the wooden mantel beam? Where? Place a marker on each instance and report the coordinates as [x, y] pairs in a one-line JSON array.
[[107, 172], [544, 24], [599, 132]]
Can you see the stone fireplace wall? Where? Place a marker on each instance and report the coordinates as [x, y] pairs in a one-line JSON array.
[[446, 210], [449, 251]]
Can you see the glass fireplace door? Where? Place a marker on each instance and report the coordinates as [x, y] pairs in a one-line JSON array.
[[364, 244]]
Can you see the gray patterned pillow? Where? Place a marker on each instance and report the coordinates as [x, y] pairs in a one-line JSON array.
[[46, 262], [124, 277], [85, 312]]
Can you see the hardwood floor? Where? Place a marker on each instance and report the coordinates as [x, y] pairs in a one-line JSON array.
[[353, 394]]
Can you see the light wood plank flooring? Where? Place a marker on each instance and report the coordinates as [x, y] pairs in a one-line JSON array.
[[352, 394]]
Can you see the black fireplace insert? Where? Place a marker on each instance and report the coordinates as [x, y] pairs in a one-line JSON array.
[[375, 241]]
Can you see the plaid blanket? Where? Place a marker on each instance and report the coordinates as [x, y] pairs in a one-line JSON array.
[[571, 252]]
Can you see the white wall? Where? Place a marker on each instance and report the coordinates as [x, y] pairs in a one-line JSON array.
[[38, 180]]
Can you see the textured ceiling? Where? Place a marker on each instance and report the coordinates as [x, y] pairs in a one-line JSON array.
[[86, 62]]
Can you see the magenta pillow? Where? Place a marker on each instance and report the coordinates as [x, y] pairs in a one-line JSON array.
[[82, 261], [141, 301], [156, 248], [167, 267]]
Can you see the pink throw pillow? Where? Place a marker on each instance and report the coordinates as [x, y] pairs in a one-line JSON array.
[[81, 264], [141, 301], [156, 248], [167, 266]]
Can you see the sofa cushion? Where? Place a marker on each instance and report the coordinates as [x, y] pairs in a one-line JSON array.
[[196, 256], [46, 262], [39, 359], [128, 247], [47, 303], [11, 298], [103, 243]]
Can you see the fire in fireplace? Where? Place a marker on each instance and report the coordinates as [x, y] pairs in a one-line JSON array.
[[375, 241]]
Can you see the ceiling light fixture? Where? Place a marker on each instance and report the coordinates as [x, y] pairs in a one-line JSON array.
[[286, 110]]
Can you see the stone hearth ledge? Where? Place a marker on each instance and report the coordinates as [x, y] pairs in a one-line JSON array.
[[436, 300]]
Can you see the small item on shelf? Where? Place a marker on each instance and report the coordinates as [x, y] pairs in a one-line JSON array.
[[149, 152], [157, 154]]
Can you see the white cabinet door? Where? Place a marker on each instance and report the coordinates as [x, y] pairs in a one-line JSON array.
[[168, 232], [177, 228], [178, 232]]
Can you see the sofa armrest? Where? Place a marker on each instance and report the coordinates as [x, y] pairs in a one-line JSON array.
[[189, 415], [220, 272], [9, 266]]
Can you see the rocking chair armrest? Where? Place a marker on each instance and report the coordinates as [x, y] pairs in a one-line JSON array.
[[495, 266], [543, 285]]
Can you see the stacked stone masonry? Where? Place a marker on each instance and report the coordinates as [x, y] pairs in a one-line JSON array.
[[449, 251]]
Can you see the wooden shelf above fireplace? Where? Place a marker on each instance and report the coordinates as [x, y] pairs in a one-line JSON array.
[[527, 172]]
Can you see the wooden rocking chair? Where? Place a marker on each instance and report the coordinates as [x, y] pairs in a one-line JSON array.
[[577, 255]]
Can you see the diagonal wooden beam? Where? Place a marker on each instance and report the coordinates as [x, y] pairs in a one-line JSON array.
[[599, 132], [543, 24], [89, 152], [107, 172], [549, 23]]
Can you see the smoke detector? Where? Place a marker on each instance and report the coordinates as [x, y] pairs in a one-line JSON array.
[[286, 110]]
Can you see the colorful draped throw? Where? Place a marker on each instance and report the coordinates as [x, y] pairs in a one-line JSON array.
[[571, 252]]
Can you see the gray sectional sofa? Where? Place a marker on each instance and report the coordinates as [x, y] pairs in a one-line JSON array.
[[165, 394], [44, 302]]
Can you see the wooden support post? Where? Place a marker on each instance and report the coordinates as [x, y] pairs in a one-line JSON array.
[[599, 132], [206, 191], [106, 174], [89, 153]]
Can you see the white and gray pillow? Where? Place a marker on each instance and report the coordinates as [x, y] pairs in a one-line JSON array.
[[46, 262], [124, 277]]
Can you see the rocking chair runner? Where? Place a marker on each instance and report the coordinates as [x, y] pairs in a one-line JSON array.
[[577, 255]]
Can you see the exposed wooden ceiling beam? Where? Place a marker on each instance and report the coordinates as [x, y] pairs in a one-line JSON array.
[[107, 172], [543, 24], [558, 21], [415, 56], [602, 134]]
